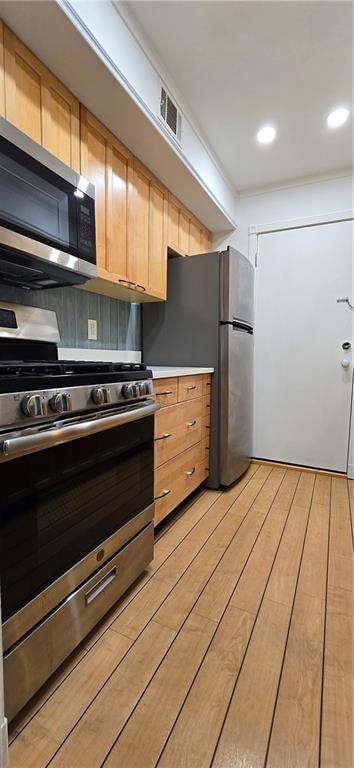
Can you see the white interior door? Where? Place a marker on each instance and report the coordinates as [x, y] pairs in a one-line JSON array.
[[302, 391]]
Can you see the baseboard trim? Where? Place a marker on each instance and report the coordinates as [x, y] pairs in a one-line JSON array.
[[351, 471], [4, 755], [301, 468]]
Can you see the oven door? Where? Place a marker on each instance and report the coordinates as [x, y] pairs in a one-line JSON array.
[[64, 491], [47, 210]]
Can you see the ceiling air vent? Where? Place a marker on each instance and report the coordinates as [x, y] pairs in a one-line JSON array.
[[170, 114]]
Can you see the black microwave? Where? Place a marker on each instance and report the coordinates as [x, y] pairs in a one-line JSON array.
[[47, 217]]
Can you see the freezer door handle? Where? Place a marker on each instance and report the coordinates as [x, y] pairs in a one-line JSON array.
[[238, 325]]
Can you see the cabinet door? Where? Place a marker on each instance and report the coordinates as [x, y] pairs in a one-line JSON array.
[[157, 282], [173, 224], [94, 152], [38, 104], [205, 240], [2, 76], [183, 232], [194, 237], [138, 222], [117, 209]]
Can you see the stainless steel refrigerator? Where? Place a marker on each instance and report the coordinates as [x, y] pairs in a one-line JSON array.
[[207, 321]]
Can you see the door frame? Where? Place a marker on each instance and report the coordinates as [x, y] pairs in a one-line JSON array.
[[256, 230]]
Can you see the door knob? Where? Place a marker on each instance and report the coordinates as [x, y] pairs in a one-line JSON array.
[[345, 362], [346, 345]]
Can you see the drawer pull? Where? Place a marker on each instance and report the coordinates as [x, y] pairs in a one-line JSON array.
[[191, 423], [190, 472], [193, 386], [167, 392], [100, 586], [161, 496], [163, 437], [142, 287]]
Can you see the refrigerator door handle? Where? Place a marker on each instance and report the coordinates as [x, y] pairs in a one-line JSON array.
[[238, 325]]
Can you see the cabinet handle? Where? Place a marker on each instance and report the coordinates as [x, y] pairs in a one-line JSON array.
[[190, 472], [208, 383], [207, 426], [126, 282], [192, 387], [191, 423], [167, 392], [161, 496], [140, 286], [163, 437]]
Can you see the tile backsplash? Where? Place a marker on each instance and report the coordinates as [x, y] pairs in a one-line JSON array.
[[118, 323]]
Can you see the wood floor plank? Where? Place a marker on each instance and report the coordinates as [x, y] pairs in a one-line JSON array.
[[245, 734], [220, 587], [295, 737], [143, 737], [249, 590], [337, 700], [338, 694], [341, 554]]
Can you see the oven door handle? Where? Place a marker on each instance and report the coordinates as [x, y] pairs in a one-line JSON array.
[[63, 433]]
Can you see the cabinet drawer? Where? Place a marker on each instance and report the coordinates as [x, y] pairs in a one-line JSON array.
[[206, 384], [176, 479], [166, 391], [177, 428], [189, 387]]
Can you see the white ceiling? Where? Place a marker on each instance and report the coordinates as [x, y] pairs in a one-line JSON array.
[[240, 65]]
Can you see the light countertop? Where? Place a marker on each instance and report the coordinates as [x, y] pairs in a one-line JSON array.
[[165, 371]]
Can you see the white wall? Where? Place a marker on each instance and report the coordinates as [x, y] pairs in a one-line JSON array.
[[288, 203]]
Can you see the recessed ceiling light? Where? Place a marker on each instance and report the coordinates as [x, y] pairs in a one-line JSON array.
[[337, 117], [266, 134]]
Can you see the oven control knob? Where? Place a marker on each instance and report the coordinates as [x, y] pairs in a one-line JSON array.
[[60, 402], [100, 395], [128, 391], [32, 405], [142, 388]]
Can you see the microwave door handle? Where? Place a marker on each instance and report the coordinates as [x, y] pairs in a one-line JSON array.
[[20, 446]]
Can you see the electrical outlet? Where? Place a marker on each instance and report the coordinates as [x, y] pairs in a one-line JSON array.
[[92, 330]]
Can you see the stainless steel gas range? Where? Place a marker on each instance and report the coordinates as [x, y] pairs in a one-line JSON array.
[[76, 498]]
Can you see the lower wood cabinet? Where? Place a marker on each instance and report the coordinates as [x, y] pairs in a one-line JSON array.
[[182, 439]]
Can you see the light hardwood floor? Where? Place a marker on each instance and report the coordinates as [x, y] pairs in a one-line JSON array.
[[233, 649]]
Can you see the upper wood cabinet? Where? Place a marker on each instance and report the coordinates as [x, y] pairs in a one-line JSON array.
[[186, 235], [131, 217], [105, 162], [38, 104], [147, 243]]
